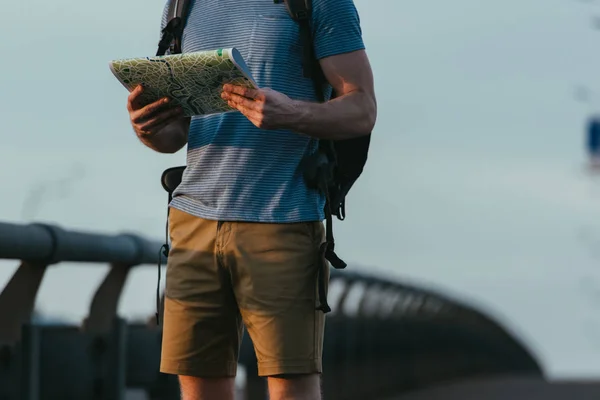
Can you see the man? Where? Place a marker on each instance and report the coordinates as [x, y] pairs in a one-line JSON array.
[[245, 229]]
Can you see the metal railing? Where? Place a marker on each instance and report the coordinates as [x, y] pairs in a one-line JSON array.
[[382, 337]]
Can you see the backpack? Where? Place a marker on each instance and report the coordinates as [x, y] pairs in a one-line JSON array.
[[334, 167]]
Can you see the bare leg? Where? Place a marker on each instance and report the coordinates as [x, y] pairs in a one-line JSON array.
[[193, 388], [295, 387]]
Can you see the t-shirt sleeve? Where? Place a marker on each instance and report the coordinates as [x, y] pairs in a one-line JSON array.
[[336, 27], [163, 18]]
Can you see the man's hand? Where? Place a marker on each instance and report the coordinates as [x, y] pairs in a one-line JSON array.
[[149, 119], [159, 125], [265, 108], [351, 114]]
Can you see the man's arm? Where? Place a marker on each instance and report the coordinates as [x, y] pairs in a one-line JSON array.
[[351, 114], [338, 45], [170, 139], [158, 125]]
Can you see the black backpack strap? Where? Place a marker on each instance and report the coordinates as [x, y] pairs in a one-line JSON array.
[[170, 179], [172, 32], [301, 12], [171, 38]]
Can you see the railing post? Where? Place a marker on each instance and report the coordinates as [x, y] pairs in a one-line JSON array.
[[17, 300], [105, 304], [10, 364], [103, 325], [30, 363], [117, 362], [334, 340], [389, 335], [353, 321]]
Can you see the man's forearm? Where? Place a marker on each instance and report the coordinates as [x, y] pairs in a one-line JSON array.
[[345, 117], [170, 139]]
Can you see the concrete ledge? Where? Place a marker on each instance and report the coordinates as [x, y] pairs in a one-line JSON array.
[[509, 388]]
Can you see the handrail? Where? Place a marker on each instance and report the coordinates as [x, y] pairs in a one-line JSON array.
[[51, 244]]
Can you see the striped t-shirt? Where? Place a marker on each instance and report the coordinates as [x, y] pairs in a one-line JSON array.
[[236, 171]]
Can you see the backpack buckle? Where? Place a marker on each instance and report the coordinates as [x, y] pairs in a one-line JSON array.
[[301, 15]]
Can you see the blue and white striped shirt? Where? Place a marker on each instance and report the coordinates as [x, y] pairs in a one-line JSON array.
[[236, 171]]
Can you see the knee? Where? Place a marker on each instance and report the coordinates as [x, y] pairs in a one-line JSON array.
[[293, 376], [295, 386], [196, 388]]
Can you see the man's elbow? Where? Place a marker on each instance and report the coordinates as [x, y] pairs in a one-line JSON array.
[[369, 117], [173, 147], [169, 145], [169, 149]]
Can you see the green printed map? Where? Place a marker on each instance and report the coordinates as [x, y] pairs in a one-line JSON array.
[[192, 80]]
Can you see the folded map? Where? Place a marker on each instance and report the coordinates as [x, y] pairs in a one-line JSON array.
[[193, 80]]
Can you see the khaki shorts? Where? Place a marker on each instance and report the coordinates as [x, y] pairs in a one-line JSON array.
[[222, 276]]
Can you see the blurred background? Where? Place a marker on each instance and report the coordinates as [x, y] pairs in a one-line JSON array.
[[478, 185]]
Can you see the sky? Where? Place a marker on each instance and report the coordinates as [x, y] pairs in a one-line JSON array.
[[475, 186]]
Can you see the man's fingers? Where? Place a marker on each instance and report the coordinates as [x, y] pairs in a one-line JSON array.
[[157, 105], [254, 116], [166, 116], [149, 111], [243, 101], [156, 128], [242, 91], [133, 98], [137, 91], [162, 118]]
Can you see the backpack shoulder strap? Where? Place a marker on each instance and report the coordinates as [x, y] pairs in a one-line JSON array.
[[301, 12], [172, 32], [171, 38]]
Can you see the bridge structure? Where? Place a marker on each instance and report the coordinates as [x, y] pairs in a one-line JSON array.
[[383, 338]]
